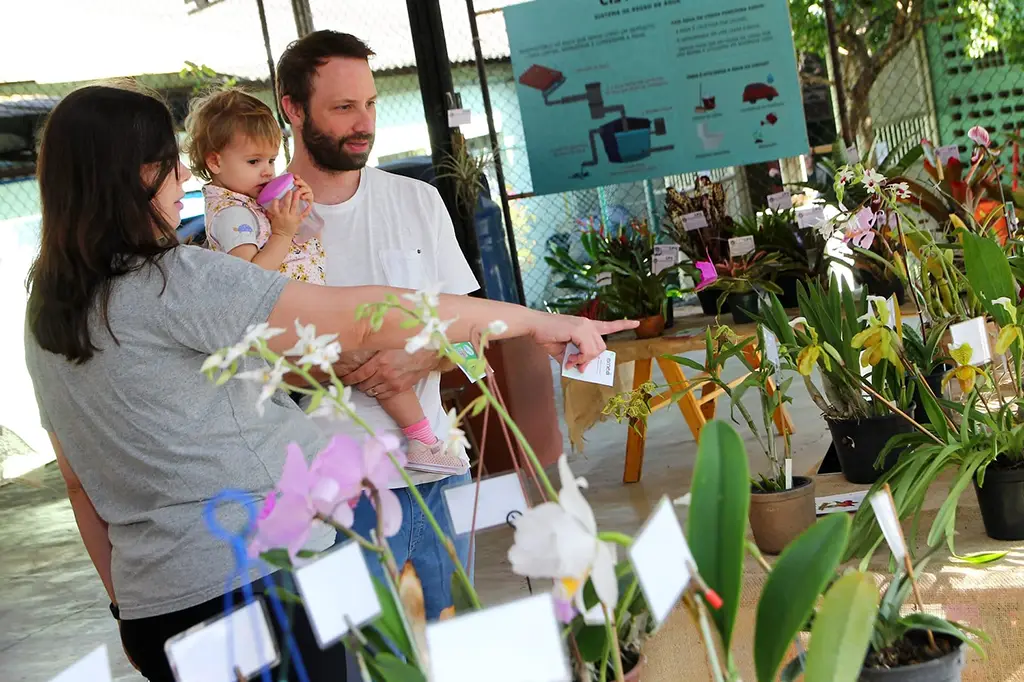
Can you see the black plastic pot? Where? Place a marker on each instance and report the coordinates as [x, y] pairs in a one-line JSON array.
[[788, 285], [949, 668], [858, 444], [709, 301], [741, 304], [1002, 503], [935, 383], [882, 287]]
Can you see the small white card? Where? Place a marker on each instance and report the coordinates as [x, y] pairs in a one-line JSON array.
[[467, 351], [93, 668], [499, 497], [893, 304], [203, 654], [973, 332], [704, 174], [476, 646], [771, 347], [694, 221], [336, 588], [459, 117], [789, 473], [1011, 216], [665, 256], [885, 512], [741, 246], [845, 502], [881, 151], [780, 201], [852, 154], [944, 154], [601, 369], [604, 279], [661, 559], [811, 217]]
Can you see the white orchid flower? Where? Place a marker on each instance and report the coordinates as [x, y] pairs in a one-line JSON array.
[[456, 436], [429, 337], [259, 332], [429, 297], [321, 350], [270, 377], [873, 180], [1007, 305], [845, 175], [224, 358], [335, 407], [558, 540], [497, 327], [798, 320], [901, 190]]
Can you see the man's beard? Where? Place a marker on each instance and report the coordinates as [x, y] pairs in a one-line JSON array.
[[329, 153]]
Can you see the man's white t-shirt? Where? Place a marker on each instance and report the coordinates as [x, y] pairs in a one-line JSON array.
[[394, 231]]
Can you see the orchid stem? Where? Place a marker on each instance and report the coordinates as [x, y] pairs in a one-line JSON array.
[[616, 537], [613, 637], [359, 539]]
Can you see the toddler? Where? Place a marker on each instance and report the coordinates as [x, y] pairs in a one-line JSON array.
[[233, 144]]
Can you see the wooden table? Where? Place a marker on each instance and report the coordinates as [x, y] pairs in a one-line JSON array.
[[583, 402]]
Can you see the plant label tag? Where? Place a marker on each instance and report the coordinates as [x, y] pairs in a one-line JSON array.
[[694, 221], [885, 512], [93, 668], [604, 279], [601, 369], [704, 174], [467, 648], [212, 651], [811, 217], [665, 256], [741, 246], [852, 154], [881, 151], [1011, 216], [973, 332], [893, 305], [496, 501], [468, 352], [337, 590], [459, 117], [661, 559], [847, 502], [771, 347], [780, 201], [789, 473], [945, 154]]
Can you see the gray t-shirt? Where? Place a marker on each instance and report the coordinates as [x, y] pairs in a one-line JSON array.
[[152, 439]]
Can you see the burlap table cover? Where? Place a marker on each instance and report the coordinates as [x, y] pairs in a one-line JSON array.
[[989, 597]]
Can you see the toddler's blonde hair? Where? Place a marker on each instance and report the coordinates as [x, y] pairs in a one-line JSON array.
[[213, 120]]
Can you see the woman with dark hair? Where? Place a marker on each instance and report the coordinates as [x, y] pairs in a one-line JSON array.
[[120, 319]]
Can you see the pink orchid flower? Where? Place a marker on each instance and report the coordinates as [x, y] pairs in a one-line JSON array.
[[861, 232], [979, 136], [708, 273]]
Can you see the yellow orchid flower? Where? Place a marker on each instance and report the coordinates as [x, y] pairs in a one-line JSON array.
[[1008, 335], [965, 373], [879, 344]]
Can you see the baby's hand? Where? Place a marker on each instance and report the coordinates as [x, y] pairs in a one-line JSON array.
[[286, 214], [303, 190]]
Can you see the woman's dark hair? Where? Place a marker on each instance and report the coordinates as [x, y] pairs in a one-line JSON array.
[[99, 221]]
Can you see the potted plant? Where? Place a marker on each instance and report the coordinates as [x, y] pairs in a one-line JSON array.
[[777, 232], [739, 281]]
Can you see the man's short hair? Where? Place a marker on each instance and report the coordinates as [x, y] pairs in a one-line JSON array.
[[301, 59], [215, 118]]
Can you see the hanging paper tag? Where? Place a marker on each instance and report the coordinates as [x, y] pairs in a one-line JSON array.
[[852, 154], [459, 117], [973, 332], [780, 201], [337, 589], [694, 221], [212, 650], [945, 154], [661, 559], [467, 351], [498, 498], [93, 668], [604, 279], [881, 503], [741, 246], [476, 646], [665, 256], [881, 151], [811, 217]]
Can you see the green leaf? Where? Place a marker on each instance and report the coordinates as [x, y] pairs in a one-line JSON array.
[[927, 621], [389, 622], [931, 407], [717, 521], [478, 405], [842, 629], [591, 642], [393, 669], [461, 600], [278, 558], [988, 272], [284, 595], [798, 578], [685, 362], [981, 558]]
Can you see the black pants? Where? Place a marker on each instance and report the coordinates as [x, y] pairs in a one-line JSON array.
[[144, 638]]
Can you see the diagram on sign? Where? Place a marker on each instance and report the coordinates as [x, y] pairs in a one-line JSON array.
[[626, 139], [757, 92]]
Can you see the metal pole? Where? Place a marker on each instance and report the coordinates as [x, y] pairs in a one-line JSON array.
[[499, 170], [273, 77], [837, 72], [303, 17]]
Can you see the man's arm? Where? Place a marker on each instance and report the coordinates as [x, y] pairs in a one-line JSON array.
[[91, 527]]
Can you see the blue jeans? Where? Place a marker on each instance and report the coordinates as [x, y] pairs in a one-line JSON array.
[[417, 542]]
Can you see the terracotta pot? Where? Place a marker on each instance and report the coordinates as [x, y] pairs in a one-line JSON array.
[[651, 327], [777, 518]]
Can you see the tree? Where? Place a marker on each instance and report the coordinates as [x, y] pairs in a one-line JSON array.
[[873, 32]]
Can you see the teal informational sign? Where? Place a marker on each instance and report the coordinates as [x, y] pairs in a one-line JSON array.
[[616, 91]]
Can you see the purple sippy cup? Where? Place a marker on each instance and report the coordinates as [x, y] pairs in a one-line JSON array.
[[311, 226]]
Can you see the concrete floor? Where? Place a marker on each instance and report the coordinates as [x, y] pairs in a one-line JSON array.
[[53, 609]]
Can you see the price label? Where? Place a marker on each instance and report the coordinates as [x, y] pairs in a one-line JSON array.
[[459, 117], [604, 279], [694, 221], [945, 154], [852, 154], [780, 201], [741, 246], [811, 217], [881, 151], [666, 256]]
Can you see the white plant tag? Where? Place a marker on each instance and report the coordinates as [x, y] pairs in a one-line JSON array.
[[476, 646], [845, 502], [604, 279], [810, 217], [203, 654], [881, 151], [944, 154], [661, 559], [885, 512], [94, 667], [665, 256], [459, 117], [780, 201], [694, 221], [500, 498], [741, 246], [336, 589], [893, 305], [852, 154], [704, 174], [1011, 216], [973, 332], [789, 473], [601, 369]]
